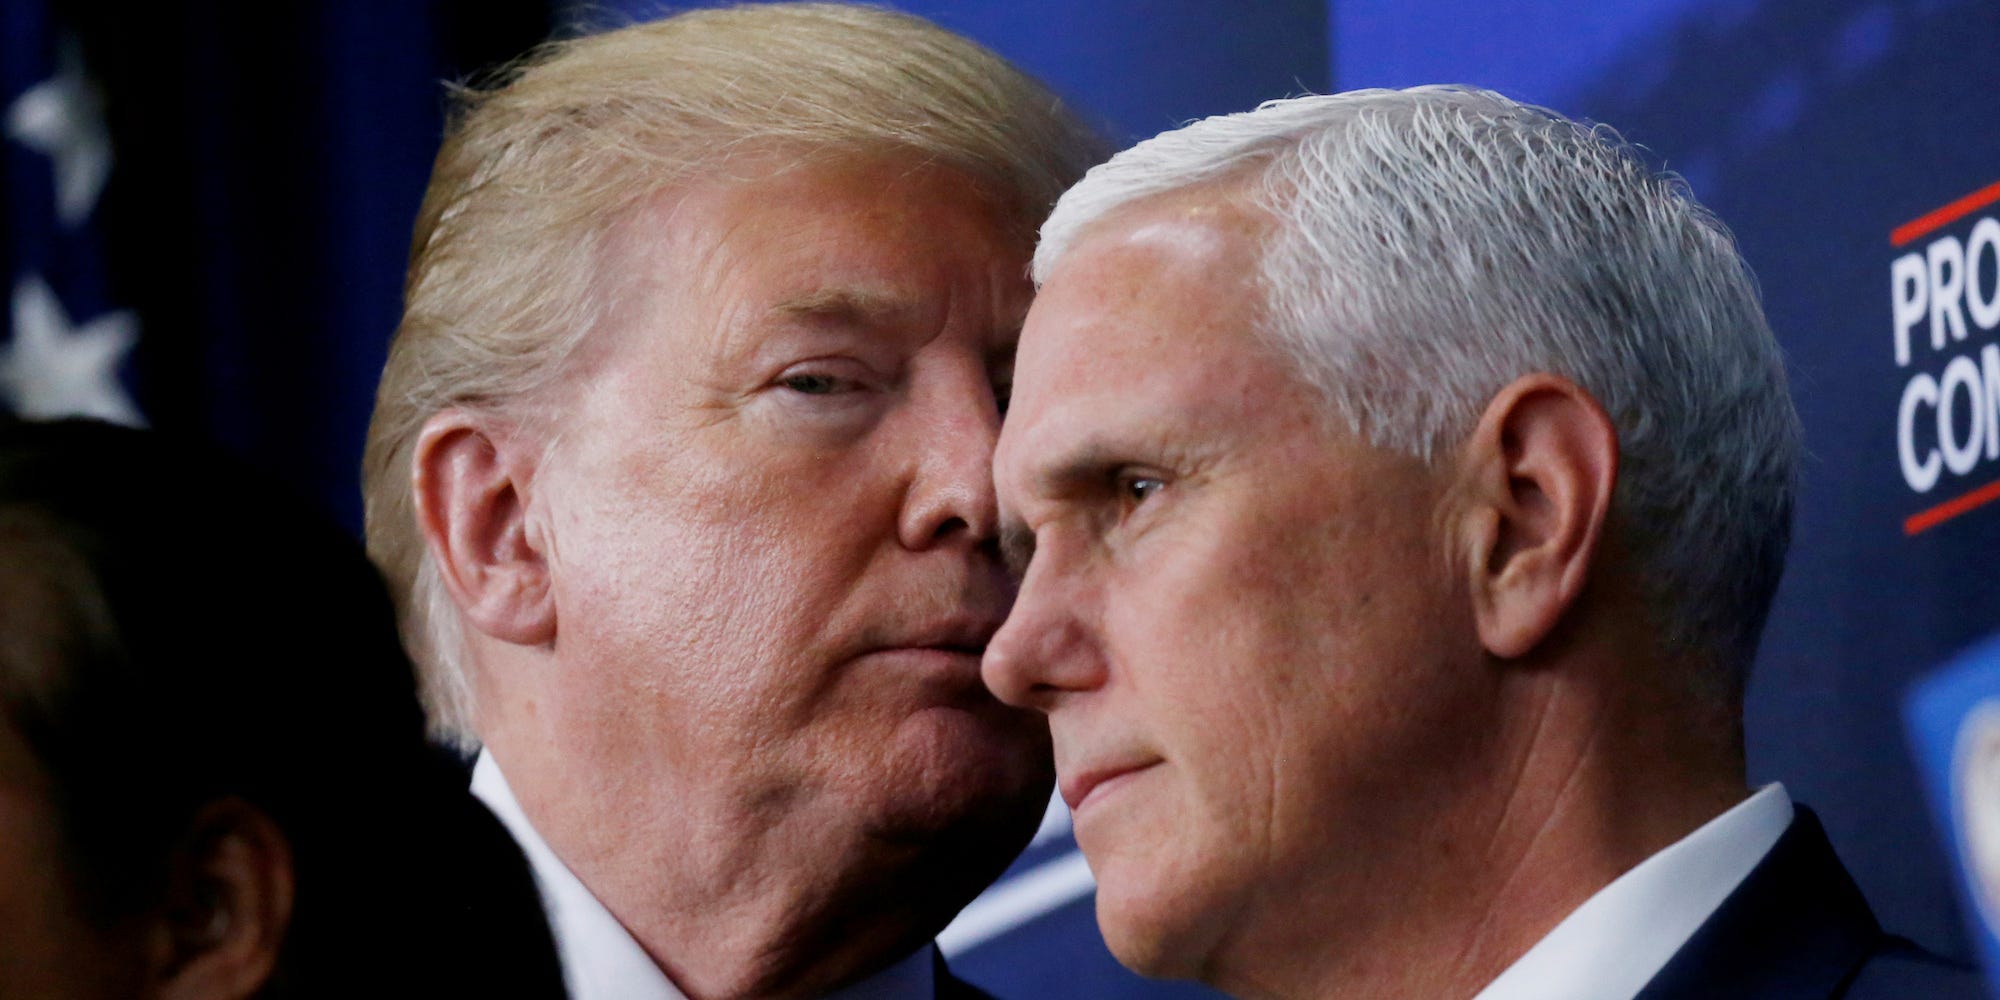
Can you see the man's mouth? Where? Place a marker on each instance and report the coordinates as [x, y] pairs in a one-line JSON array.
[[1078, 787], [960, 634]]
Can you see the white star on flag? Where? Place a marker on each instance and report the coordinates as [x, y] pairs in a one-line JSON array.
[[51, 369], [63, 118]]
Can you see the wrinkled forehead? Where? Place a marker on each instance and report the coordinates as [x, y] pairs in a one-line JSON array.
[[1150, 318], [873, 239], [1172, 278], [1198, 246]]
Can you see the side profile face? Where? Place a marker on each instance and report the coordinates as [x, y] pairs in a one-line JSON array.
[[769, 524], [1236, 614]]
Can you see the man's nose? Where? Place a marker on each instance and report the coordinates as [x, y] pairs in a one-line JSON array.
[[1045, 650], [951, 490]]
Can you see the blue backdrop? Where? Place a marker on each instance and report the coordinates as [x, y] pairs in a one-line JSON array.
[[263, 171]]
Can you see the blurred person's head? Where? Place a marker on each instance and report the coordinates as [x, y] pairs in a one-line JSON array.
[[1402, 479], [680, 467], [213, 776]]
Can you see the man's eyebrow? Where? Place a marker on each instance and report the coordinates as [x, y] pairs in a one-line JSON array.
[[1077, 469], [855, 306]]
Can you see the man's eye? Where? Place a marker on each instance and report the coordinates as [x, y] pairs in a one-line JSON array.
[[1138, 489], [816, 384]]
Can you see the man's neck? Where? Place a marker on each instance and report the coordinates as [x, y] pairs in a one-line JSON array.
[[1610, 947], [1607, 782], [1585, 844], [1585, 793], [603, 958]]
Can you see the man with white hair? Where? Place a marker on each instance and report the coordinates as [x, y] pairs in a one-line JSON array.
[[680, 470], [1401, 480]]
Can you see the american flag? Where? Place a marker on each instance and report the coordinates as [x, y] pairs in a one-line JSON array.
[[67, 342]]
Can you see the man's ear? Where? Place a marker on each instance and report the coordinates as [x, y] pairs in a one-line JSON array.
[[229, 901], [471, 498], [1537, 477]]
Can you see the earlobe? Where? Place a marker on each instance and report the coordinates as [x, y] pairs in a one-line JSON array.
[[229, 904], [472, 508], [1538, 476]]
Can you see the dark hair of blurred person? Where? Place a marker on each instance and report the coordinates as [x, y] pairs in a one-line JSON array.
[[213, 777]]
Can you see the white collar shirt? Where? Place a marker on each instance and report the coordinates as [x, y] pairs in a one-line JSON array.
[[1619, 939], [600, 958]]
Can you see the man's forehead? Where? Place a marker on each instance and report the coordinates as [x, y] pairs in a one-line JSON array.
[[1156, 288], [1099, 410], [1214, 218], [807, 245], [1143, 406]]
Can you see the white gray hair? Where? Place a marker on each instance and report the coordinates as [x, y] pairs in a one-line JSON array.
[[1434, 244]]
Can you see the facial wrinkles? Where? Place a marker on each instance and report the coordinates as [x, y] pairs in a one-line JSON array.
[[709, 534], [1245, 724], [705, 259], [1063, 463], [723, 562], [710, 521], [748, 674], [1268, 632], [728, 349], [719, 533]]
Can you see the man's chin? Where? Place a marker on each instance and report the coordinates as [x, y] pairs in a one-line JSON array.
[[1148, 931], [947, 770]]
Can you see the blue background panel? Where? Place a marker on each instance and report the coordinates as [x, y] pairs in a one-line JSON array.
[[269, 161]]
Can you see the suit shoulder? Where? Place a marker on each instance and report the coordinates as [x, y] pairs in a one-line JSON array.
[[950, 987], [959, 989], [1901, 969]]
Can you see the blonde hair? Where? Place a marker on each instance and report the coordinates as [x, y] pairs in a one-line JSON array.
[[503, 283]]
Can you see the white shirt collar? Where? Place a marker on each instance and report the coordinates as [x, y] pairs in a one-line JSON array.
[[1619, 939], [600, 958]]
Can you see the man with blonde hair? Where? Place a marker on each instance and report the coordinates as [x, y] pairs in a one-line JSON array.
[[679, 468]]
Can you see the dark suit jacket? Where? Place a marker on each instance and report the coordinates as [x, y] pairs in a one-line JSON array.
[[431, 899], [1798, 928], [490, 937], [950, 987]]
